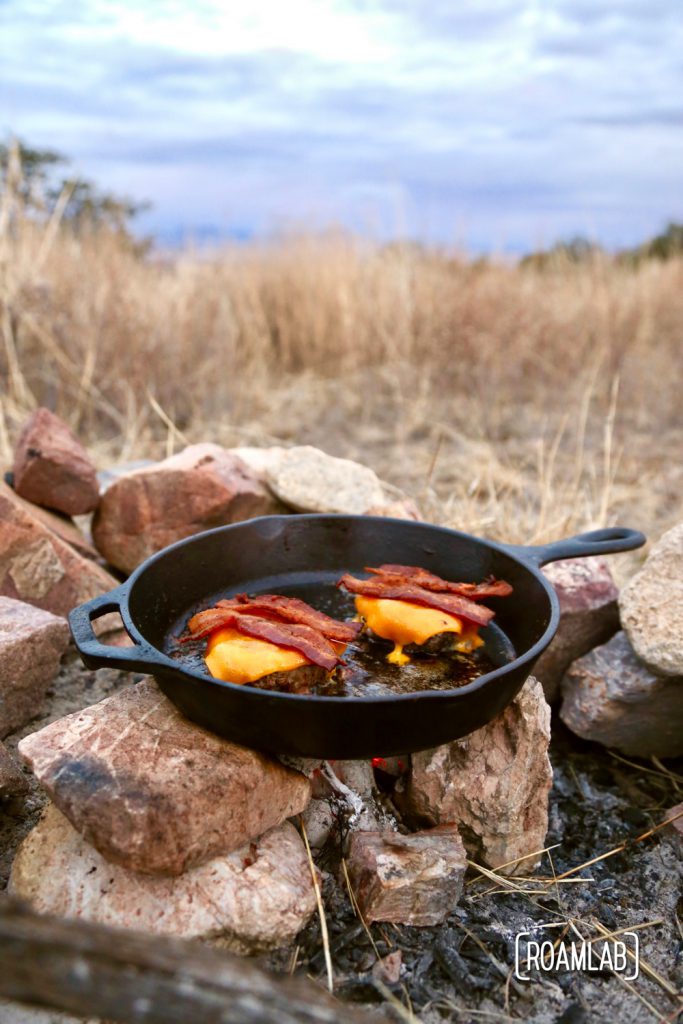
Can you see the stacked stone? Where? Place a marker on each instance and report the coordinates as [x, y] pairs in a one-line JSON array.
[[628, 692], [615, 666], [48, 563], [205, 485], [158, 825]]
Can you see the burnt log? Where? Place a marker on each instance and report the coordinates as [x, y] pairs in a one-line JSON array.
[[131, 978]]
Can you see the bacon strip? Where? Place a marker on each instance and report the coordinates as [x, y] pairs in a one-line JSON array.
[[414, 574], [295, 636], [291, 609], [403, 591]]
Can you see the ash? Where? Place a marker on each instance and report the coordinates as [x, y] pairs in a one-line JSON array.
[[462, 970]]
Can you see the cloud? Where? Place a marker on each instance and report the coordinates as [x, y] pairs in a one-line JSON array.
[[479, 117]]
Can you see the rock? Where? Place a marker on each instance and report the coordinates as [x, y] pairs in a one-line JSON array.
[[677, 814], [357, 775], [12, 781], [259, 460], [589, 616], [13, 1013], [201, 487], [494, 783], [612, 697], [63, 526], [152, 791], [319, 820], [37, 566], [411, 879], [32, 642], [308, 480], [52, 468], [388, 968], [651, 606], [404, 508], [106, 477], [255, 898]]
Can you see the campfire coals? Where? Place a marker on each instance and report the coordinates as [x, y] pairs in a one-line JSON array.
[[453, 970]]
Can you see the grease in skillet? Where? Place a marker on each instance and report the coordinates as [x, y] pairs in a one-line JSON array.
[[280, 642]]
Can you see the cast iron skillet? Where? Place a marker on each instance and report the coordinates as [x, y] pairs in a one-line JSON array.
[[292, 553]]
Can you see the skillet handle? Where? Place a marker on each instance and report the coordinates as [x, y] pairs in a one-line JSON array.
[[140, 658], [595, 542]]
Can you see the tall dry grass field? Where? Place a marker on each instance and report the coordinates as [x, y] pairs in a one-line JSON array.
[[516, 402]]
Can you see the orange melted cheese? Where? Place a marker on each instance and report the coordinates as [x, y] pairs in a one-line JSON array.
[[236, 658], [407, 623]]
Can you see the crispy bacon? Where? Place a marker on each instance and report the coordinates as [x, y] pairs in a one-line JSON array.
[[205, 622], [295, 636], [291, 609], [491, 587], [402, 590]]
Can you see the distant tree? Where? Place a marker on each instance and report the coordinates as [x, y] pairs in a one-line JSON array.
[[574, 250], [36, 177], [662, 247]]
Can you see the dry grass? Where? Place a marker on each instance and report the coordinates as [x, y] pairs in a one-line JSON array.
[[514, 402]]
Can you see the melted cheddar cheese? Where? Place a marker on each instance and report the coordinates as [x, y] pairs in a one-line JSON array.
[[406, 623], [236, 658]]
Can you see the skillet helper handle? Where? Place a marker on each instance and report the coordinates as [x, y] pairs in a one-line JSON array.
[[595, 542], [139, 658]]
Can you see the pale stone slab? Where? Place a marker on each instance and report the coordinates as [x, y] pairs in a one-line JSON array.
[[154, 792], [308, 480], [255, 898], [651, 606]]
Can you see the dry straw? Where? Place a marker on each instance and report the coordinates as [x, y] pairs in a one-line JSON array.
[[516, 402]]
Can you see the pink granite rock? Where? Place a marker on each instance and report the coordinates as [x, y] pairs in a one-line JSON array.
[[154, 792], [32, 642], [411, 879], [493, 783], [611, 697], [399, 508], [63, 526], [589, 616], [52, 468], [199, 488], [651, 606], [38, 567], [13, 784], [255, 898]]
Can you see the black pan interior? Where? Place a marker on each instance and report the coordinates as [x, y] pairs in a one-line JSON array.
[[305, 555]]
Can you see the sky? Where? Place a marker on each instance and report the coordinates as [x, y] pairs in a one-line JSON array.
[[490, 125]]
